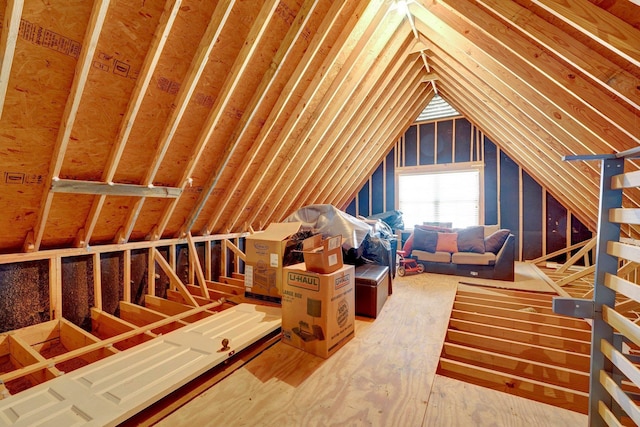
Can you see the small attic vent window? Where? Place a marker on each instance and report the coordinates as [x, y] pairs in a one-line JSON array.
[[438, 108]]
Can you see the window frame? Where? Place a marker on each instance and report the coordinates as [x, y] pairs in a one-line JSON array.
[[442, 168]]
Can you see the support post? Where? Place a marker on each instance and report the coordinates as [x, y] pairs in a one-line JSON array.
[[602, 295]]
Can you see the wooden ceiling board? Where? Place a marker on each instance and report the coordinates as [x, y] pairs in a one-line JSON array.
[[320, 77], [379, 138], [161, 95], [400, 73], [123, 43], [220, 18], [360, 82], [216, 150], [255, 108], [65, 220], [120, 52], [235, 199], [83, 66], [407, 109], [230, 58], [143, 80], [107, 225], [355, 57], [242, 141], [40, 79], [591, 64]]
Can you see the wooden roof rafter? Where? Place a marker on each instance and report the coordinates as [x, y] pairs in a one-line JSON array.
[[327, 106], [407, 110], [10, 28], [286, 94], [218, 20], [398, 78], [243, 61], [142, 84], [380, 135], [96, 21], [484, 76], [465, 85], [347, 37], [593, 65], [549, 153], [241, 64], [515, 91], [331, 139], [502, 46], [613, 33], [503, 135], [584, 91]]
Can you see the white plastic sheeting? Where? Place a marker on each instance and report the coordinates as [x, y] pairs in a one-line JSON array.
[[330, 221]]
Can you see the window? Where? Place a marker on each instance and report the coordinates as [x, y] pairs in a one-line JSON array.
[[440, 196]]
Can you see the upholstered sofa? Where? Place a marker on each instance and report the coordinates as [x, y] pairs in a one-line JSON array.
[[480, 251]]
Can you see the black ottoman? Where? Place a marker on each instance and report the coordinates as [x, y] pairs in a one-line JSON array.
[[372, 289]]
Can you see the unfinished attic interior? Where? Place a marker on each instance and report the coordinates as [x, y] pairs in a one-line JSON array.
[[143, 144]]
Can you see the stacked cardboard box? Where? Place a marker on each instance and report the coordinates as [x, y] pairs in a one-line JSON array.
[[318, 310], [264, 260]]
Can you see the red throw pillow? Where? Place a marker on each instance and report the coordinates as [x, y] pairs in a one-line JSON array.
[[447, 242], [408, 245]]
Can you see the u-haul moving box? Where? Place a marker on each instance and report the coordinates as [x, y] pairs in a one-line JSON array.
[[318, 310], [264, 254]]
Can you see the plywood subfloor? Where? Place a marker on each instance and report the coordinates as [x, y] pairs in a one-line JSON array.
[[528, 277], [457, 403], [386, 376]]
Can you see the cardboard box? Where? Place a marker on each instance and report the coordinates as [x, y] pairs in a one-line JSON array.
[[318, 310], [322, 256], [263, 266]]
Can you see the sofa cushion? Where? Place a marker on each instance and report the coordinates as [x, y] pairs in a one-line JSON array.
[[490, 229], [494, 242], [447, 242], [408, 244], [471, 239], [424, 240], [486, 258], [438, 228], [444, 257]]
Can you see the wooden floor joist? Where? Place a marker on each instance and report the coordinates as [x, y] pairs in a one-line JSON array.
[[110, 391], [535, 390], [513, 342], [488, 308]]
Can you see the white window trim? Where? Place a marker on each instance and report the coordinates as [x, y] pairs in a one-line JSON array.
[[447, 167]]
